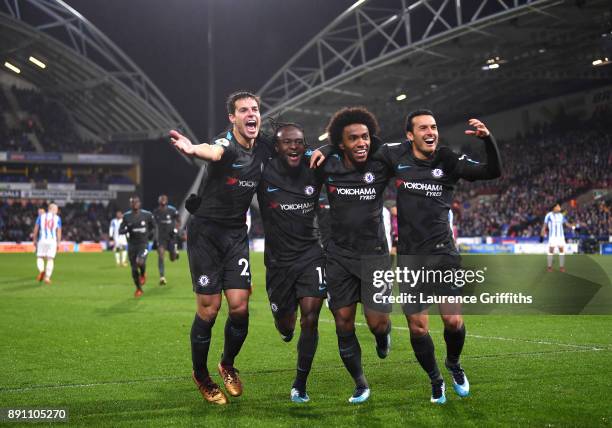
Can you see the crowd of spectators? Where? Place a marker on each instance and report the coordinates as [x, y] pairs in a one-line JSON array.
[[80, 221], [85, 177], [53, 126], [14, 139], [539, 170]]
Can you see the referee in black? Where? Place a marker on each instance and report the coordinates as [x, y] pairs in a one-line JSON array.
[[217, 243]]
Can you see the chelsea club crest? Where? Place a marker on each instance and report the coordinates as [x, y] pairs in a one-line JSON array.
[[368, 177]]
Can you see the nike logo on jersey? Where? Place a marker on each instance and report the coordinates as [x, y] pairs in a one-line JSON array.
[[272, 189], [322, 287], [464, 157], [237, 165], [400, 166]]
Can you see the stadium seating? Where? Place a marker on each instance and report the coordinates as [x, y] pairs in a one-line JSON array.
[[81, 221], [51, 124], [552, 165]]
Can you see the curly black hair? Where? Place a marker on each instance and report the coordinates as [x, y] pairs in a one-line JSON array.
[[349, 116]]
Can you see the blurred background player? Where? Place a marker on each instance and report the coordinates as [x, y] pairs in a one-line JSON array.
[[554, 222], [139, 226], [46, 238], [118, 241], [168, 224]]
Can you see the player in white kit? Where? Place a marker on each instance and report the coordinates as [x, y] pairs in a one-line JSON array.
[[46, 237], [118, 241], [554, 222]]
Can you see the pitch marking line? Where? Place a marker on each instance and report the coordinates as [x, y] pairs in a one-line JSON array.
[[507, 339]]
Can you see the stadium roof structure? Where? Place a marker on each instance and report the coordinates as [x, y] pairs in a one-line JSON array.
[[101, 87], [456, 57]]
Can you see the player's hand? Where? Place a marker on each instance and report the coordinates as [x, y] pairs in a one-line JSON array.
[[316, 159], [481, 130], [181, 143]]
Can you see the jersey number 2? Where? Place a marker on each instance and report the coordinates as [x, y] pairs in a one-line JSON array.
[[245, 270]]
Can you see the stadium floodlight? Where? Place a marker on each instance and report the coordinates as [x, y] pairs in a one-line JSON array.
[[12, 67], [490, 66], [601, 61], [37, 62], [400, 97], [323, 137]]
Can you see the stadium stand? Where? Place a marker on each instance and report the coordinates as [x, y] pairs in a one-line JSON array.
[[553, 164], [48, 120], [82, 221]]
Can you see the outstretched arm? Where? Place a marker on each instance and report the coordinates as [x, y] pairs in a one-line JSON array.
[[463, 167], [202, 151]]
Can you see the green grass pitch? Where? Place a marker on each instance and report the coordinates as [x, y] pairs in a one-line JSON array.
[[84, 343]]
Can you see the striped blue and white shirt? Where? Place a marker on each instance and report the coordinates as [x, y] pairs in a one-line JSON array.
[[113, 230], [48, 224], [554, 221]]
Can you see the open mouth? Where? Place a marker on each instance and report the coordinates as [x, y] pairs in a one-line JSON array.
[[430, 141], [361, 153], [251, 126], [293, 155]]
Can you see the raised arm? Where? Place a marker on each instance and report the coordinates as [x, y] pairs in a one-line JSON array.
[[466, 168], [203, 151]]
